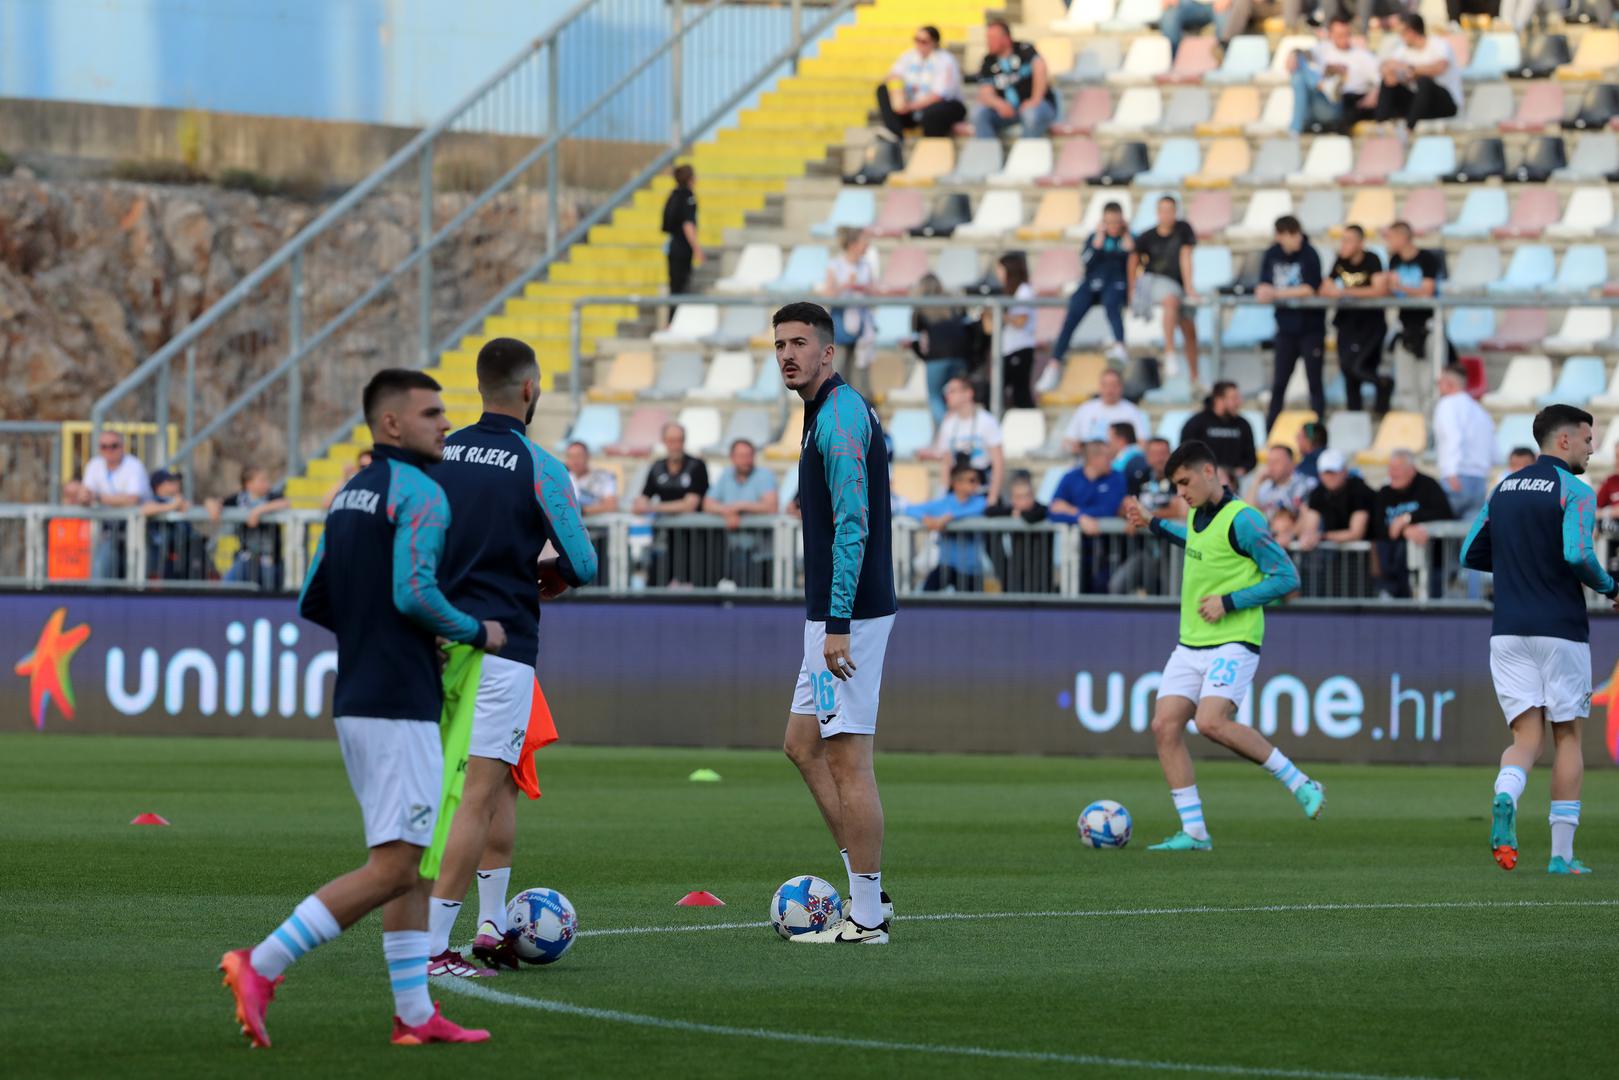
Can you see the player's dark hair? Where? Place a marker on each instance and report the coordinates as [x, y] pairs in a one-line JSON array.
[[1288, 225], [683, 175], [1016, 265], [389, 383], [1124, 430], [1554, 418], [1188, 455], [932, 32], [813, 315], [503, 364], [1417, 23], [1356, 229]]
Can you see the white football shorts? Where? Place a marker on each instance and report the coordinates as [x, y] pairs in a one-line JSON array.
[[843, 705], [396, 768], [500, 714], [1541, 672], [1225, 671]]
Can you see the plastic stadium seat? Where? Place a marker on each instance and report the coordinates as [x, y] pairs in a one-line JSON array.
[[1424, 210], [1398, 431], [1512, 431], [1583, 330], [1176, 160], [1243, 282], [1461, 46], [1226, 160], [1023, 432], [1259, 220], [1171, 424], [1246, 57], [911, 481], [1547, 53], [854, 207], [914, 390], [1274, 161], [1608, 399], [1147, 58], [893, 325], [597, 426], [1211, 268], [729, 373], [1026, 162], [1598, 53], [1596, 109], [1278, 74], [902, 211], [756, 267], [1249, 328], [767, 386], [1587, 12], [1467, 328], [1580, 379], [1093, 333], [1209, 213], [1058, 53], [703, 428], [1494, 56], [1285, 432], [1128, 160], [1079, 378], [1079, 163], [1379, 158], [1588, 209], [692, 323], [1475, 269], [677, 374], [805, 270], [1329, 158], [1133, 15], [1277, 116], [1055, 270], [930, 160], [1532, 268], [788, 446], [1099, 58], [1140, 108], [642, 431], [739, 326], [949, 213], [1486, 108], [1146, 215], [1518, 328], [1483, 211], [1431, 157], [754, 425], [1544, 155], [882, 159], [977, 160], [1372, 209], [1188, 107], [1527, 378], [1584, 270], [957, 268], [1087, 107], [1047, 321], [999, 214], [1595, 157], [1237, 107], [1057, 211], [1084, 16], [1193, 62], [1532, 212], [903, 267], [886, 375], [1485, 159], [629, 375], [911, 430], [1349, 432], [1541, 106], [1321, 210]]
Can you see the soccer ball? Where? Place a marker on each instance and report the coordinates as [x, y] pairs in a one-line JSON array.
[[1104, 823], [804, 905], [542, 925]]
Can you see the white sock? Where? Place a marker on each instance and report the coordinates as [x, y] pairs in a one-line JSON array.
[[1511, 780], [406, 953], [1190, 808], [441, 915], [849, 870], [1285, 771], [309, 925], [1565, 818], [865, 899], [492, 896]]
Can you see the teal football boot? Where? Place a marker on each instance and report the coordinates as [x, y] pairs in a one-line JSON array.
[[1181, 841]]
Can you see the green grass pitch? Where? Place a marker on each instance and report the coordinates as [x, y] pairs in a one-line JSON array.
[[1427, 962]]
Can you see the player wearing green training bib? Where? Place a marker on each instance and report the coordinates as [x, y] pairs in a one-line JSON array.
[[1233, 568]]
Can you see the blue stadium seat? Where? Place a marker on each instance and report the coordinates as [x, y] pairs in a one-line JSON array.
[[1431, 157], [1177, 159], [805, 270], [1171, 423], [856, 207], [1485, 210], [1584, 268], [1467, 328], [893, 325], [1247, 56], [1147, 213], [767, 386], [1515, 429], [1249, 328], [596, 426], [1211, 268], [1493, 56], [1533, 268], [911, 430], [1580, 379]]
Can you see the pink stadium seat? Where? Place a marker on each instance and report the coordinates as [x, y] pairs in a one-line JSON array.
[[902, 269], [642, 431], [1079, 162], [1541, 107], [1378, 158], [1518, 328], [1088, 108], [1535, 209], [1055, 268], [1424, 210], [1209, 213], [1462, 46], [903, 210], [1047, 321], [1193, 61]]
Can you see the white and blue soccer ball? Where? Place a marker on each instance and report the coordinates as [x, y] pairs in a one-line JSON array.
[[804, 905], [543, 925], [1104, 824]]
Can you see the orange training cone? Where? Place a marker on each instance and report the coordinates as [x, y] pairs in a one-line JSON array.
[[149, 819], [699, 899]]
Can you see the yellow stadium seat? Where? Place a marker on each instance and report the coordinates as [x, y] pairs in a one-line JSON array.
[[1226, 160], [930, 159], [1237, 108], [1597, 55], [1059, 209], [1399, 431], [1372, 209], [629, 374], [1080, 377], [1285, 432], [787, 447], [912, 482]]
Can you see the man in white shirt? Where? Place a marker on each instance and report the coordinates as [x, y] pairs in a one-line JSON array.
[[1335, 83], [930, 95], [1464, 436], [1421, 80], [114, 478], [596, 489], [1091, 421], [970, 433]]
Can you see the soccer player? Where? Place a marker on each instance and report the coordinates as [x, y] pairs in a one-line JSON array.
[[850, 608], [508, 499], [1233, 568], [1534, 535], [374, 583]]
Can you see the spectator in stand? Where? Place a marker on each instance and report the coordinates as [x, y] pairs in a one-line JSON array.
[[1413, 271], [930, 92], [940, 343], [852, 272], [595, 489], [1279, 485], [116, 479], [1421, 81], [258, 556], [677, 483], [1163, 269], [970, 435], [1357, 274], [1404, 506], [1312, 440], [1229, 17], [1017, 330], [1107, 257], [1091, 421], [74, 493], [1144, 566], [1021, 561], [1128, 459], [1521, 457], [960, 562], [1222, 427], [743, 491], [1014, 87], [1335, 83], [1340, 511], [1087, 495], [680, 224], [1464, 438], [1291, 270], [174, 550]]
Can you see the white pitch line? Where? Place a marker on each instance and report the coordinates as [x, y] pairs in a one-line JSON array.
[[475, 990], [1129, 913]]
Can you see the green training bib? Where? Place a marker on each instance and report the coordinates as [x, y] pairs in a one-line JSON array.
[[1215, 568]]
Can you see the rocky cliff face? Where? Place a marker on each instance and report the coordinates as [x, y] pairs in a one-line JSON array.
[[97, 275]]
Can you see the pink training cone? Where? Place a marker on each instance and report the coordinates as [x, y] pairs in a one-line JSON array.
[[149, 818], [699, 899]]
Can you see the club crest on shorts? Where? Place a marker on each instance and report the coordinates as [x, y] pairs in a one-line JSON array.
[[419, 813]]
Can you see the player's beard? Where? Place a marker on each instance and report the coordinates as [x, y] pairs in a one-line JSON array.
[[528, 414]]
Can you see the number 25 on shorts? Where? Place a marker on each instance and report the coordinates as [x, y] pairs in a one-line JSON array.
[[1223, 673]]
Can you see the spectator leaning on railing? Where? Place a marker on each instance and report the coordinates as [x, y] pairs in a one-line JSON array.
[[595, 489], [1279, 485], [1224, 430], [940, 342], [1091, 421], [1021, 561], [1413, 271], [1464, 438], [1339, 510], [930, 92], [960, 561], [1086, 496], [675, 484], [174, 550], [258, 559], [1142, 569], [1404, 506], [1357, 275], [1014, 87], [1312, 439], [361, 460], [743, 491], [1291, 270], [114, 478], [1128, 459]]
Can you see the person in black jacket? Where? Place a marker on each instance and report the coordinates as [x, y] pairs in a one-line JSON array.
[[680, 223], [1292, 271], [1022, 560], [940, 342], [1403, 506], [1222, 428]]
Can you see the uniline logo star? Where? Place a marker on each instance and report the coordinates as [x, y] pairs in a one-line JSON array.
[[47, 667]]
